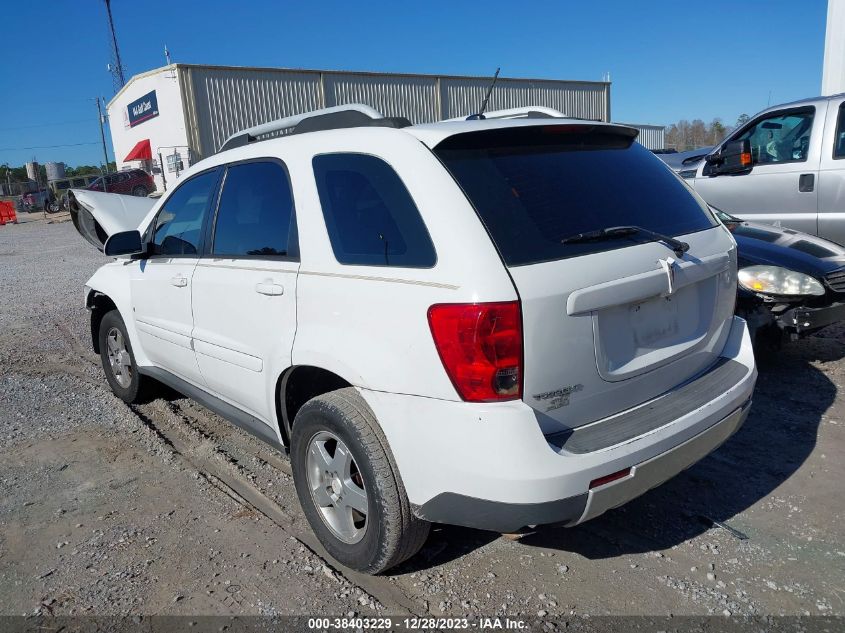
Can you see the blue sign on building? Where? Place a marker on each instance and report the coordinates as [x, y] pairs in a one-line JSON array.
[[143, 109]]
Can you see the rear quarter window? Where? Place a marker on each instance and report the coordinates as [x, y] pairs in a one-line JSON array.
[[370, 216], [535, 186]]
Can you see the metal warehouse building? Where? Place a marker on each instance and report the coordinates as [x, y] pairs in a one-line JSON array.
[[652, 136], [173, 116]]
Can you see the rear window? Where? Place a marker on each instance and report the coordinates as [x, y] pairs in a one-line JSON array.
[[534, 187]]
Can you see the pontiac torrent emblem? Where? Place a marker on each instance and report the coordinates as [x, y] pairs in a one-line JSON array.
[[559, 397]]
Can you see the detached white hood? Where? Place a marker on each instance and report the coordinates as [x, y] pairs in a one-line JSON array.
[[98, 215]]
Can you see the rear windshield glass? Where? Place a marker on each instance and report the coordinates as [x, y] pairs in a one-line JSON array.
[[534, 187]]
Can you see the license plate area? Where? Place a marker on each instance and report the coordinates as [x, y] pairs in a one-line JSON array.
[[637, 337], [653, 321]]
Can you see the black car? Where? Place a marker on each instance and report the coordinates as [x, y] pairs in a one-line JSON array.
[[790, 283]]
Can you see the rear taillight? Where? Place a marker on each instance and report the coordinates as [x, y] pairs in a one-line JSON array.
[[480, 345]]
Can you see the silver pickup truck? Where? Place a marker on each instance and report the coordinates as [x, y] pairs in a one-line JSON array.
[[785, 166]]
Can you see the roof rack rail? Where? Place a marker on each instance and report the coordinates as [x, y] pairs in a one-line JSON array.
[[336, 117], [524, 112]]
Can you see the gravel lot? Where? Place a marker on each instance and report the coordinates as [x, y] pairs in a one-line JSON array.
[[166, 509]]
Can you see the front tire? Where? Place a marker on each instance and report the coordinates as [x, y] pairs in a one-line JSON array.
[[139, 191], [349, 486], [118, 360]]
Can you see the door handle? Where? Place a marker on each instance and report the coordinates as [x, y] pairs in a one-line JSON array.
[[179, 281], [269, 288], [806, 182]]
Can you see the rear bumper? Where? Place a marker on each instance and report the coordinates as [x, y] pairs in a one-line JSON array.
[[489, 466], [653, 472], [507, 517]]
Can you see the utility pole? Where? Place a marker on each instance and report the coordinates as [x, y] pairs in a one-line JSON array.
[[102, 136], [117, 70]]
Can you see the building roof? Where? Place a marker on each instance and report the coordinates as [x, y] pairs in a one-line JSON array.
[[364, 73]]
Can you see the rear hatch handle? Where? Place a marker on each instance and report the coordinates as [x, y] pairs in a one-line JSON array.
[[643, 286]]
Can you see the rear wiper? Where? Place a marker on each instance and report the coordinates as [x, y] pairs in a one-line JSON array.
[[614, 232]]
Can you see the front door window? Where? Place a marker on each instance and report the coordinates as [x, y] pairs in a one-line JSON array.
[[780, 138]]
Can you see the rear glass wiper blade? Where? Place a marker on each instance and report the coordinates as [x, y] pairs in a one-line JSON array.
[[600, 235], [614, 232]]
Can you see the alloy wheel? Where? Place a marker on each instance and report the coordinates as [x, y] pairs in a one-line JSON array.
[[337, 487], [119, 358]]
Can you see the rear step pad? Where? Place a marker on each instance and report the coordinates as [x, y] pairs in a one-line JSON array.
[[659, 412]]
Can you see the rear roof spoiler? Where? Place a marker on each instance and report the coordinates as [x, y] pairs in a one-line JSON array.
[[551, 133]]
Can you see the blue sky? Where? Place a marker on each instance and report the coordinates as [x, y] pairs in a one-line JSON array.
[[667, 60]]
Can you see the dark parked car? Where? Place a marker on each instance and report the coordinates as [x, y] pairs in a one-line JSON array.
[[686, 162], [790, 283], [132, 182]]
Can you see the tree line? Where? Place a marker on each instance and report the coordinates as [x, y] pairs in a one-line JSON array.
[[18, 174], [685, 135]]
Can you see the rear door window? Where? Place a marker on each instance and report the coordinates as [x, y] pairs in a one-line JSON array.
[[177, 229], [255, 214], [370, 216], [839, 139], [533, 187]]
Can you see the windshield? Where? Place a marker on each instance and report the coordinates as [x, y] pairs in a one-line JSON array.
[[534, 187], [723, 217]]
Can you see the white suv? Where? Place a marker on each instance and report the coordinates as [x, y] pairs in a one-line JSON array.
[[489, 323]]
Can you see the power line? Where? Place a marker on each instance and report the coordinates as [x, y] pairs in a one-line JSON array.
[[37, 100], [15, 149], [34, 125]]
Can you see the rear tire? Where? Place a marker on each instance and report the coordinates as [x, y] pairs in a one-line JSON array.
[[139, 191], [388, 533], [119, 362]]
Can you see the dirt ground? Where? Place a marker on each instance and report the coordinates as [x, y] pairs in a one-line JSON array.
[[165, 508]]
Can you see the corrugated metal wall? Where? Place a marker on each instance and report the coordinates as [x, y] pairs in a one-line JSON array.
[[461, 96], [414, 98], [219, 101], [652, 136]]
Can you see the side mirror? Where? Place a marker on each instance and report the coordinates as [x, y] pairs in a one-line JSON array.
[[734, 158], [124, 243]]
